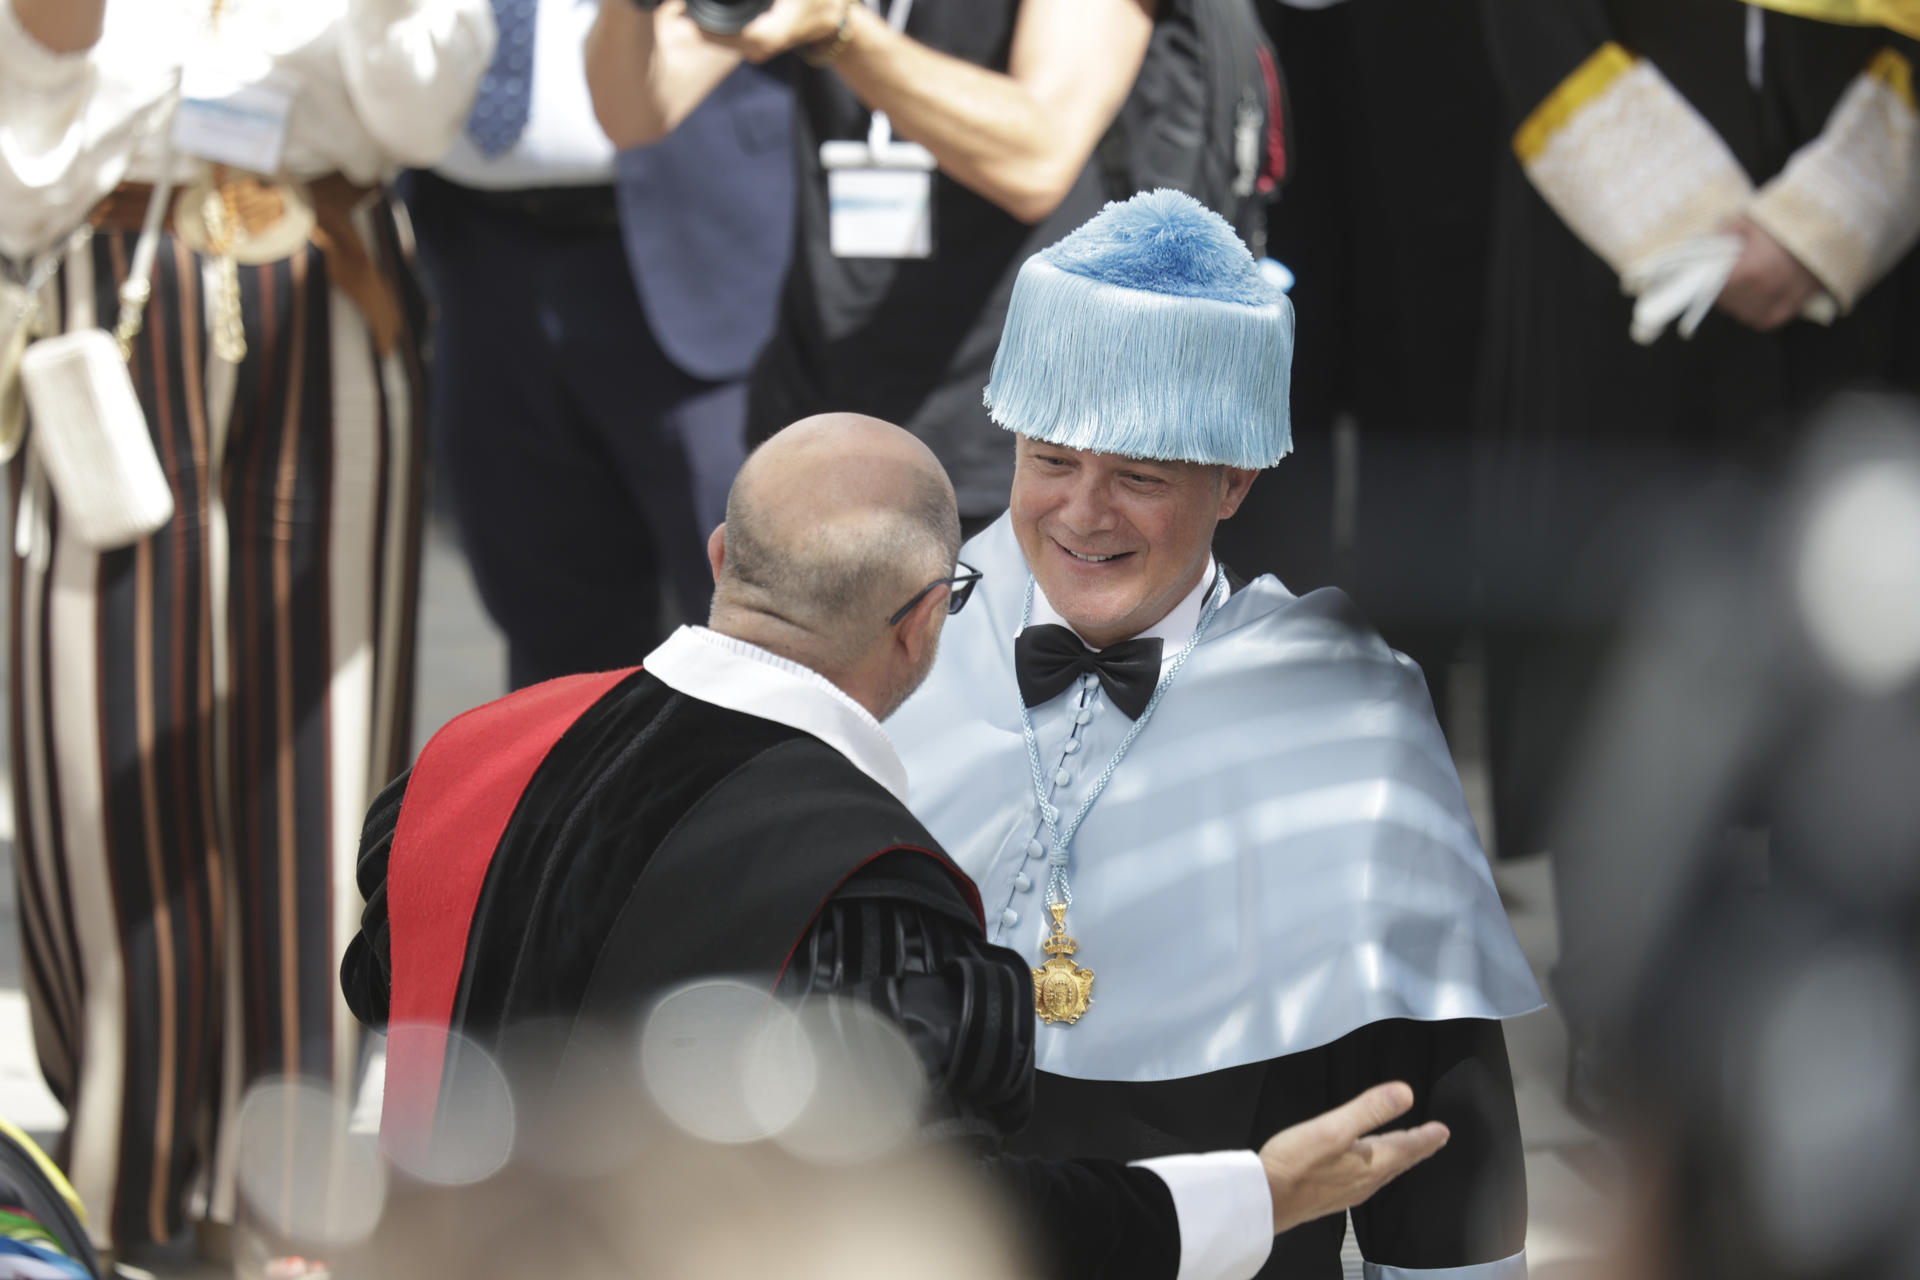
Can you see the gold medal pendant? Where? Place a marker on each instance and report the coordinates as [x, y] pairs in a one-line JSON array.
[[1062, 990]]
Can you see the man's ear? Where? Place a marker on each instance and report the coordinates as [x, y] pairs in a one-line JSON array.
[[717, 550], [919, 631], [1233, 490]]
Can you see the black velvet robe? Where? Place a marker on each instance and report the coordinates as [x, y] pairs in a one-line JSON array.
[[713, 805]]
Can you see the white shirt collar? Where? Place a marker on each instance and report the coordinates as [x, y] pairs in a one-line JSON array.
[[1172, 631], [744, 677]]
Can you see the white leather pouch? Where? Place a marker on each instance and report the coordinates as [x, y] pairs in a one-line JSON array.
[[92, 438]]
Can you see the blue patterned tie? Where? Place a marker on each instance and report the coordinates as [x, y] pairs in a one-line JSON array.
[[506, 91]]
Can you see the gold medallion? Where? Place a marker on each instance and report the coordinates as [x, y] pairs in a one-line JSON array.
[[1062, 990]]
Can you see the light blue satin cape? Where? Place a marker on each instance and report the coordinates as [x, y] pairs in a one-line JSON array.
[[1284, 855]]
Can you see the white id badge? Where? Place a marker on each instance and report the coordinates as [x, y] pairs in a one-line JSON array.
[[879, 196], [241, 124], [880, 213]]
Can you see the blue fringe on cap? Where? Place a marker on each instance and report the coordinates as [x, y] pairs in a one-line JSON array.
[[1148, 333]]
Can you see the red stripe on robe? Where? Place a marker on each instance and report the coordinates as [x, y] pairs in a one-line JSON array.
[[463, 792]]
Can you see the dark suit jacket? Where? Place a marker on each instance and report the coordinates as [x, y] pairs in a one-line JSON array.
[[707, 213]]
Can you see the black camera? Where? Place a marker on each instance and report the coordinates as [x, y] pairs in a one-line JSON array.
[[722, 17]]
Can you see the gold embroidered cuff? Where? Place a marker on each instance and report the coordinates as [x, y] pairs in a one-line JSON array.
[[1848, 204], [1627, 162]]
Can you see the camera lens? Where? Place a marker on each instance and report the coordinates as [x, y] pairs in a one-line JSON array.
[[725, 17]]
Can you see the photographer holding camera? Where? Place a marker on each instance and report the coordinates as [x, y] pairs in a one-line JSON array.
[[938, 144]]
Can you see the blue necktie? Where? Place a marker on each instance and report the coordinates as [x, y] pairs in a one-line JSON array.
[[506, 91]]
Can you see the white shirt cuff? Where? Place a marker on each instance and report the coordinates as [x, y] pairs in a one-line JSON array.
[[1225, 1211]]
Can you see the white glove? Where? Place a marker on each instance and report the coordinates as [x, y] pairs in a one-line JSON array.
[[1684, 281]]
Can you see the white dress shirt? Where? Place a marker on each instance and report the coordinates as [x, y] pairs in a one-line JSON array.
[[1220, 1198], [381, 83], [563, 145]]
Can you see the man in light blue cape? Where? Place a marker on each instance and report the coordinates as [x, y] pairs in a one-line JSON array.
[[1220, 820]]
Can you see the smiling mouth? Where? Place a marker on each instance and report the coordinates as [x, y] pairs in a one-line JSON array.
[[1093, 559]]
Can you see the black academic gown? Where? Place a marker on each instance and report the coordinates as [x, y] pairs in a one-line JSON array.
[[1384, 223], [601, 892], [1584, 433]]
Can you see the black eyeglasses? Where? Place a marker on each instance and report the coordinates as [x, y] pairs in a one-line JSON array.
[[962, 584]]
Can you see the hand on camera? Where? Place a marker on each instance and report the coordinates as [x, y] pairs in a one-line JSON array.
[[786, 25], [1330, 1163]]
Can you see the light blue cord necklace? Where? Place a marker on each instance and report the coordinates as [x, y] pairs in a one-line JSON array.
[[1061, 839]]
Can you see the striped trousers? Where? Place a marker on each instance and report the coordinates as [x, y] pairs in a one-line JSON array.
[[199, 721]]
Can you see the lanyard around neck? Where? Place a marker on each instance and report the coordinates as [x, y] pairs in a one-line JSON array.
[[879, 128]]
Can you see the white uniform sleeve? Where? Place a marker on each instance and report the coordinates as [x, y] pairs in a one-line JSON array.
[[44, 122], [412, 67]]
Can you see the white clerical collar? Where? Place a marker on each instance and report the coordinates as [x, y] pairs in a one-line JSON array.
[[744, 677], [1172, 631]]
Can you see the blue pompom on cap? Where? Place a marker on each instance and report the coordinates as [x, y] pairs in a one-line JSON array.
[[1164, 242], [1149, 333]]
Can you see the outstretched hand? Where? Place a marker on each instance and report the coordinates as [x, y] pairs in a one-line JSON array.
[[1330, 1162]]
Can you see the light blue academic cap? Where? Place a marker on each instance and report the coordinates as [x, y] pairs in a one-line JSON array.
[[1148, 333]]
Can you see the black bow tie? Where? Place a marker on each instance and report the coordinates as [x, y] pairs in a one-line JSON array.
[[1049, 658]]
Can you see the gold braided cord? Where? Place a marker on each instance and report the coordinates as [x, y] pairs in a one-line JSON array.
[[224, 228]]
